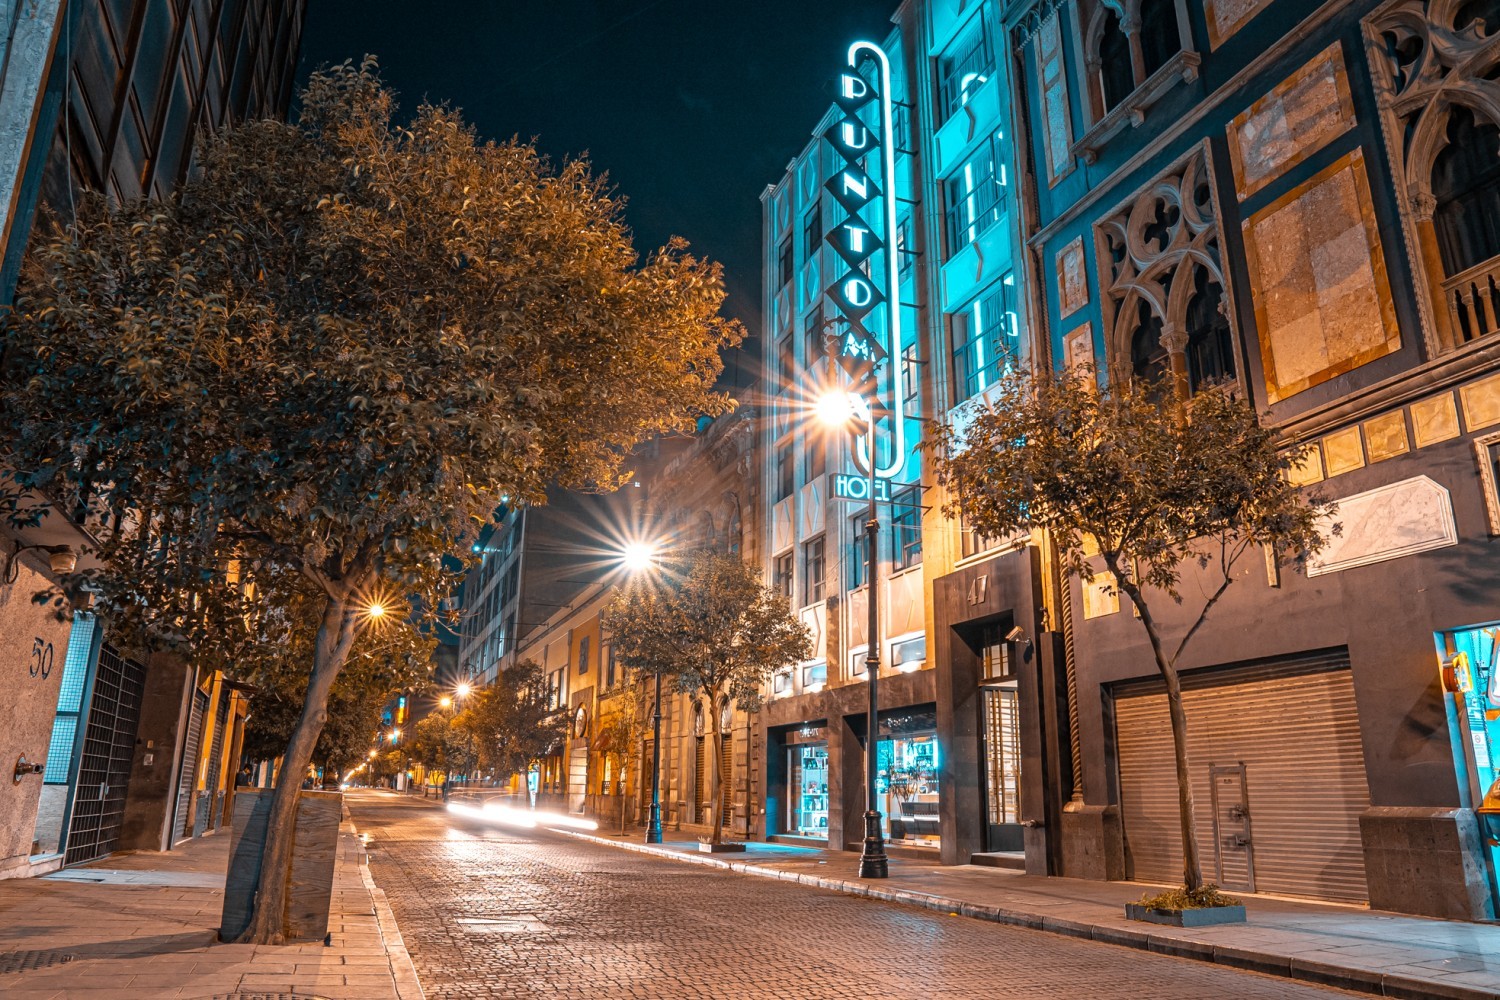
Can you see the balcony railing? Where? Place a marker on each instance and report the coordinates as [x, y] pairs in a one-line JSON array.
[[1473, 298]]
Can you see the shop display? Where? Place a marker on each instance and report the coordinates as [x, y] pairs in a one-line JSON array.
[[809, 786], [908, 786]]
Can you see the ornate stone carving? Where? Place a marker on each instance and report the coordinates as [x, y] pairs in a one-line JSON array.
[[1150, 250], [1424, 65]]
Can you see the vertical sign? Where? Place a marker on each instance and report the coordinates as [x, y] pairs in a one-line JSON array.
[[868, 228]]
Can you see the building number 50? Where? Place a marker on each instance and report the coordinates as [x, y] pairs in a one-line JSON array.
[[41, 658]]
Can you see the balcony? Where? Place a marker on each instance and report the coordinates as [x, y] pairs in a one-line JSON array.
[[1473, 299]]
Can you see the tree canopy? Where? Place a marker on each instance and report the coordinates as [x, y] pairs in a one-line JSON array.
[[1142, 484], [330, 357], [512, 722], [715, 630]]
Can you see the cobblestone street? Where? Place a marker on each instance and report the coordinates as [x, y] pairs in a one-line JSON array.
[[497, 913]]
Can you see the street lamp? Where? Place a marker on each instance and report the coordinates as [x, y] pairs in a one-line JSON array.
[[445, 702], [639, 557], [850, 410], [463, 689]]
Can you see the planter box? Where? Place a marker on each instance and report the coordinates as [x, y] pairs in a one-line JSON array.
[[314, 847], [720, 848], [1205, 916]]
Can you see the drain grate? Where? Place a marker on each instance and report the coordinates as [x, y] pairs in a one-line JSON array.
[[519, 924], [25, 961], [264, 996]]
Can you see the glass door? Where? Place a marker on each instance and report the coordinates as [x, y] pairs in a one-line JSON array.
[[1002, 769]]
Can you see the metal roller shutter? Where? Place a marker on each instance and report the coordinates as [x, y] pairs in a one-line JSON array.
[[187, 774], [1278, 778], [726, 778]]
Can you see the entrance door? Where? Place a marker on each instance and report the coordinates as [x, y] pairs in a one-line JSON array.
[[578, 778], [1234, 860], [104, 765], [1002, 770]]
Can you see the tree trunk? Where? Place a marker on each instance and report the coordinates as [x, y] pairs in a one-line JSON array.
[[335, 635], [714, 788], [1192, 866]]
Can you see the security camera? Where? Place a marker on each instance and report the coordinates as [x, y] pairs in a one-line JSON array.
[[1016, 634]]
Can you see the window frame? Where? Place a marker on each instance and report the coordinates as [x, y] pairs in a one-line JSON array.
[[814, 570], [960, 192], [906, 517], [969, 379], [969, 53]]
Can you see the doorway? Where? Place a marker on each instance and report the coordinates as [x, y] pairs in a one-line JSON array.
[[1002, 769]]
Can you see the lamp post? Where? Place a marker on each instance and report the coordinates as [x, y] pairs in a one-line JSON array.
[[843, 409], [639, 557]]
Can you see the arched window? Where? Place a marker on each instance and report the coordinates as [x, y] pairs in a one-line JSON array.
[[1160, 40], [1116, 74], [1466, 193], [1210, 349], [1148, 356]]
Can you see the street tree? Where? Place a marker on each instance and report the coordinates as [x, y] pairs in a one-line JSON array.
[[513, 721], [1150, 484], [332, 354], [441, 744], [715, 631], [621, 733]]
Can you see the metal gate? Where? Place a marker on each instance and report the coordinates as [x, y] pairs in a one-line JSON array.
[[208, 799], [187, 774], [104, 764], [701, 798], [1277, 771]]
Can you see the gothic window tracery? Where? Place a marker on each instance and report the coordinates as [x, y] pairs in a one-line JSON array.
[[1165, 303], [1435, 65]]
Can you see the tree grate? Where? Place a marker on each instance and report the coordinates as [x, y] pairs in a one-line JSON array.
[[25, 961]]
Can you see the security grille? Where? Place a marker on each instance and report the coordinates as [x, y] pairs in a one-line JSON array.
[[208, 801], [104, 766], [700, 781], [25, 961], [726, 785]]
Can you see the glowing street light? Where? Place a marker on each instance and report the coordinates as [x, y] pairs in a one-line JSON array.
[[395, 735], [373, 754], [463, 689], [445, 702], [375, 611], [638, 556]]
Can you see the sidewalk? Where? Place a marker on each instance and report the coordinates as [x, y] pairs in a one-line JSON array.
[[1354, 948], [144, 925]]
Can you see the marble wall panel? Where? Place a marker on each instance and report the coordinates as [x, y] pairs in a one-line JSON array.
[[1385, 436], [1322, 299], [1072, 278], [1481, 402], [1395, 520], [1434, 419], [1053, 75], [1343, 451], [1225, 17], [1297, 118]]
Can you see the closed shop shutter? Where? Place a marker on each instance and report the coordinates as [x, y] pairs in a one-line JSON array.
[[188, 772], [700, 781], [1278, 778]]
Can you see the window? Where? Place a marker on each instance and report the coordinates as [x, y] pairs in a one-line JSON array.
[[994, 652], [785, 265], [812, 232], [906, 528], [1210, 347], [1123, 61], [1160, 40], [813, 568], [986, 339], [781, 576], [611, 669], [786, 472], [782, 682], [814, 676], [909, 654], [855, 561], [964, 68], [910, 381], [975, 195], [814, 337], [786, 359], [1466, 186], [905, 255], [972, 541], [814, 456], [583, 655], [1116, 77], [1148, 355]]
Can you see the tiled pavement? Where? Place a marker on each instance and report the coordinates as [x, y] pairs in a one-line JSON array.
[[143, 925], [491, 912]]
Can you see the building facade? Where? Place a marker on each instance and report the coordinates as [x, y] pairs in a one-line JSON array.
[[125, 750], [1291, 199]]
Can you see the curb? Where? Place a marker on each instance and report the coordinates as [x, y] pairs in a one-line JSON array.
[[403, 972], [1283, 966]]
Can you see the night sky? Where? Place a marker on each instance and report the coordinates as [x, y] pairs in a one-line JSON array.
[[691, 107]]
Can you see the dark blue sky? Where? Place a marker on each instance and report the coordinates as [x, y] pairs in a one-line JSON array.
[[692, 107]]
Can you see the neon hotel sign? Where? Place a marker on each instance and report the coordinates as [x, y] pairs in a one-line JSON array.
[[860, 350]]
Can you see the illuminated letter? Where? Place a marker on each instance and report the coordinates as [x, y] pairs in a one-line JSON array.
[[860, 187], [852, 87], [857, 236], [847, 136], [858, 292]]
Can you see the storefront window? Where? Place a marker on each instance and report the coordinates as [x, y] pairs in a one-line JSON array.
[[807, 771], [1471, 678], [907, 779]]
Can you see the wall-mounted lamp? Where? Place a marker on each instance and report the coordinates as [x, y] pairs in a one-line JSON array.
[[60, 558]]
